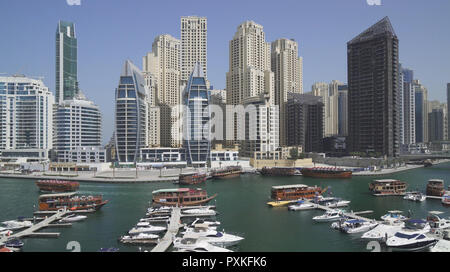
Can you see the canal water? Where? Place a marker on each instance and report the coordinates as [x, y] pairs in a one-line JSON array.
[[241, 203]]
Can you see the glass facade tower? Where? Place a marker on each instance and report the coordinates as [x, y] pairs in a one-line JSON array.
[[196, 140], [131, 108], [66, 62]]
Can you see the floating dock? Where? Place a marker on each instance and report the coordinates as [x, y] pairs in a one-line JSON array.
[[172, 230], [32, 231]]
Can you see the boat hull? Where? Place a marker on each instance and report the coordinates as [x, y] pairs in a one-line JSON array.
[[414, 247], [325, 174]]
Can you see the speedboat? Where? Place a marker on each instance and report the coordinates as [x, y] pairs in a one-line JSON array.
[[15, 224], [446, 199], [410, 242], [141, 236], [302, 206], [415, 196], [436, 222], [205, 222], [147, 229], [393, 216], [196, 245], [213, 237], [354, 226], [331, 215], [384, 231], [73, 218], [14, 244], [202, 211], [409, 237], [338, 203]]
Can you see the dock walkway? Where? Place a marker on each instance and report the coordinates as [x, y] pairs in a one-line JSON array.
[[172, 230], [353, 215], [32, 231]]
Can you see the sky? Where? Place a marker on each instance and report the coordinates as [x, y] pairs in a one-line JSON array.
[[112, 31]]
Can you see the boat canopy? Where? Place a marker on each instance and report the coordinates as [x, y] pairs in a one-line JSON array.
[[395, 212], [57, 195], [406, 236], [435, 212], [171, 190], [281, 187], [385, 180], [356, 221], [416, 221]]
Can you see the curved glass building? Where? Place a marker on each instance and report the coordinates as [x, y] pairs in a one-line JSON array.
[[197, 142], [130, 124]]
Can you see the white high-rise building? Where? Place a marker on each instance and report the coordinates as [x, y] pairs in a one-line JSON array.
[[249, 72], [163, 63], [26, 114], [78, 131], [330, 98], [262, 139], [194, 32], [287, 69]]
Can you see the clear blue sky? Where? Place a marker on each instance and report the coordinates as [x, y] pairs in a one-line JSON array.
[[111, 31]]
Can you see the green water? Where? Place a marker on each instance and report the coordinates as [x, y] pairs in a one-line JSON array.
[[241, 203]]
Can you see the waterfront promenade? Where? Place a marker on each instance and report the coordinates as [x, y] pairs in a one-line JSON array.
[[130, 175]]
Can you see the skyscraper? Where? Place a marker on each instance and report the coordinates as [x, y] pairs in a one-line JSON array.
[[26, 114], [421, 111], [409, 105], [131, 114], [78, 130], [304, 113], [194, 32], [66, 62], [163, 63], [373, 82], [436, 125], [249, 73], [343, 110], [197, 141], [286, 66]]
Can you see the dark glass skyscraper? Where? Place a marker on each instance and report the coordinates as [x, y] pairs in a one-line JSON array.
[[131, 108], [197, 132], [373, 86], [66, 62]]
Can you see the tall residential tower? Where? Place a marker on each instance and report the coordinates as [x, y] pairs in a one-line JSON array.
[[66, 62], [373, 83]]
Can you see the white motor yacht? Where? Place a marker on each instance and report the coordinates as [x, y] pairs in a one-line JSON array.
[[384, 231], [73, 218], [15, 224], [196, 245], [403, 241], [415, 196], [354, 226], [393, 216], [329, 216], [147, 229], [141, 236], [436, 222], [205, 222], [302, 206], [213, 237], [202, 211]]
